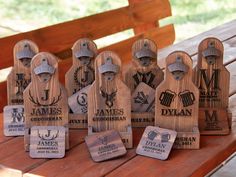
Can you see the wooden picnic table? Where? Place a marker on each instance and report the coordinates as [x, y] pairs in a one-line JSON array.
[[77, 162]]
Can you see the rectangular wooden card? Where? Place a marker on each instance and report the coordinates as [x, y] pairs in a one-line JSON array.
[[188, 140], [143, 98], [78, 121], [47, 142], [142, 119], [156, 142], [105, 145], [213, 121], [14, 120], [78, 101]]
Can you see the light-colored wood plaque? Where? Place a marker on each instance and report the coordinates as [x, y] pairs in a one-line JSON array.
[[105, 145], [19, 77], [212, 80], [156, 142], [47, 142], [14, 120], [109, 99], [144, 69], [45, 99], [176, 105], [80, 75]]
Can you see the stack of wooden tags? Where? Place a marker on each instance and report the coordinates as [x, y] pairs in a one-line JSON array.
[[212, 79], [78, 80], [109, 99], [17, 81], [176, 105], [105, 145], [142, 78], [156, 142], [46, 111]]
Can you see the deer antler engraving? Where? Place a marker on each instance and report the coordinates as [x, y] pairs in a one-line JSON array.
[[36, 102], [48, 135]]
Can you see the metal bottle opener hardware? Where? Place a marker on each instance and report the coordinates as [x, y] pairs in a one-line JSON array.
[[178, 68], [145, 55], [44, 70], [109, 69], [25, 55], [211, 53], [84, 54]]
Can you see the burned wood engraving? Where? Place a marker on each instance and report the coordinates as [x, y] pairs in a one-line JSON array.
[[109, 99], [177, 101], [212, 79], [45, 98]]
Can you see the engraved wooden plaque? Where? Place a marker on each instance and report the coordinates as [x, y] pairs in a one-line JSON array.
[[14, 120], [109, 99], [80, 75], [105, 145], [47, 142], [144, 69], [19, 77], [45, 99], [212, 80], [176, 105], [156, 142]]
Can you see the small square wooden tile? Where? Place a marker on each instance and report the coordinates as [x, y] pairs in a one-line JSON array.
[[156, 142], [105, 145], [14, 120], [47, 142]]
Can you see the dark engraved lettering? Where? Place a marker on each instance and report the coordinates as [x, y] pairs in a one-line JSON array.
[[175, 112], [45, 97], [21, 83], [211, 121], [87, 77], [214, 81], [82, 101]]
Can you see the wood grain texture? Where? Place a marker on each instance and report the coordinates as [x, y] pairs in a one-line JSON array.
[[60, 37], [19, 77], [109, 100], [45, 98], [176, 104]]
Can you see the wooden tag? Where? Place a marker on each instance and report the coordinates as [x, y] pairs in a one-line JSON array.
[[19, 77], [109, 99], [176, 104], [105, 145], [14, 120], [212, 121], [78, 102], [156, 142], [81, 73], [143, 98], [45, 99], [144, 66], [47, 142], [212, 79]]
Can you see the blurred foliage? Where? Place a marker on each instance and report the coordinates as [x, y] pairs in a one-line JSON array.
[[189, 16]]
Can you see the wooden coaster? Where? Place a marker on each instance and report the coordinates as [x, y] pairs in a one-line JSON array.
[[105, 145], [212, 80], [47, 142], [156, 142], [78, 102], [176, 106], [14, 120], [143, 98]]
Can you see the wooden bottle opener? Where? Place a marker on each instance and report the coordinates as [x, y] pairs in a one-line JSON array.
[[45, 98], [109, 99], [142, 78], [17, 80], [212, 79], [78, 80], [176, 105]]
